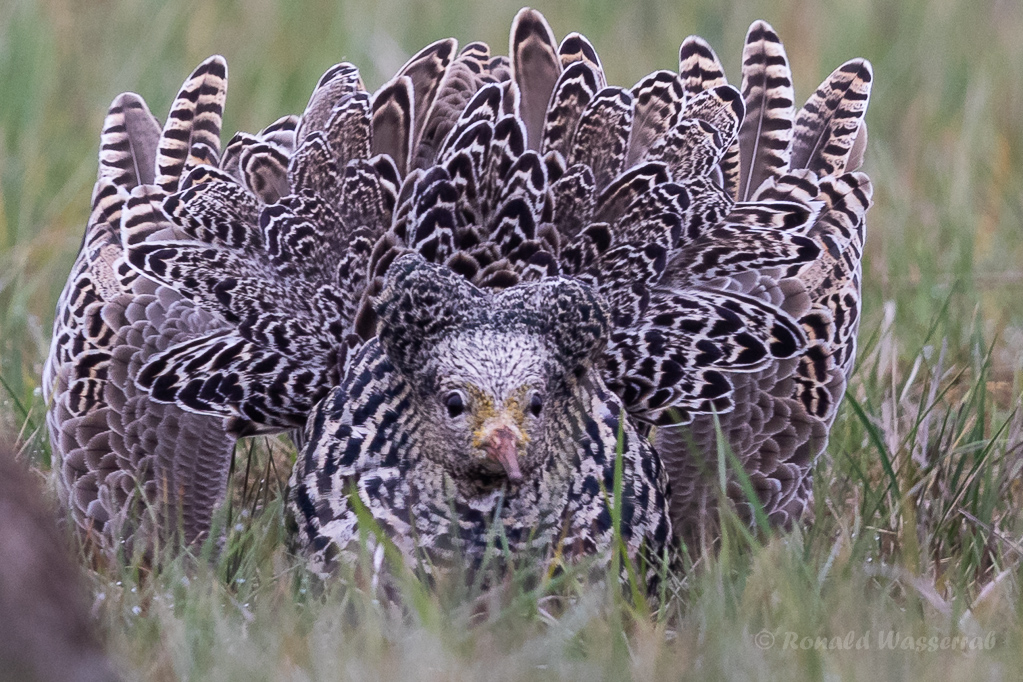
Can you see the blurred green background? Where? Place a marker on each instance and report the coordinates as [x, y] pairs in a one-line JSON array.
[[946, 123]]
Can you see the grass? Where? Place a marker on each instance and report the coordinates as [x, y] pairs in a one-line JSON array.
[[917, 523]]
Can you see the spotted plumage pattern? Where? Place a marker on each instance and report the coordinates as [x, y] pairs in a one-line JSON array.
[[474, 288], [782, 414], [512, 427], [128, 466]]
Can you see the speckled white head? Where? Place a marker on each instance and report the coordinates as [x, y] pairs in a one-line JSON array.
[[487, 369]]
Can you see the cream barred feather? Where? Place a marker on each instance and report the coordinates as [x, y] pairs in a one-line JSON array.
[[191, 135], [766, 133], [782, 414], [472, 288], [128, 465]]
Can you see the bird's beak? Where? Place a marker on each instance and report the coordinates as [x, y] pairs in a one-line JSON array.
[[501, 443]]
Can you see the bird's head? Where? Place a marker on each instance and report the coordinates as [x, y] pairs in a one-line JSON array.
[[491, 374], [486, 391]]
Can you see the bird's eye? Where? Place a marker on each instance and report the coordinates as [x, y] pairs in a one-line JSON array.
[[455, 403], [536, 404]]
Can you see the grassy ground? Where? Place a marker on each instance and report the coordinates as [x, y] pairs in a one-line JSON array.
[[916, 532]]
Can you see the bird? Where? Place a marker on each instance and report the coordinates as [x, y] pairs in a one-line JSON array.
[[782, 413], [512, 427], [494, 293]]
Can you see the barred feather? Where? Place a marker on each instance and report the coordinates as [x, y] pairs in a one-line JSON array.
[[128, 144], [829, 123], [576, 48], [191, 134], [701, 70], [766, 133], [659, 99], [601, 138], [340, 81], [577, 85], [473, 287], [426, 71]]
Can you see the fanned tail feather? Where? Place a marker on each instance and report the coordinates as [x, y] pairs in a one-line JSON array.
[[765, 139], [191, 135], [227, 293], [128, 144], [535, 67], [829, 124]]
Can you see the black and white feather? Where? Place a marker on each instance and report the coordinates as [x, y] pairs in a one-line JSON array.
[[472, 288]]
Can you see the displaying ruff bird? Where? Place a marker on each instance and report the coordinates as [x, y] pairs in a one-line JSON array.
[[477, 290]]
